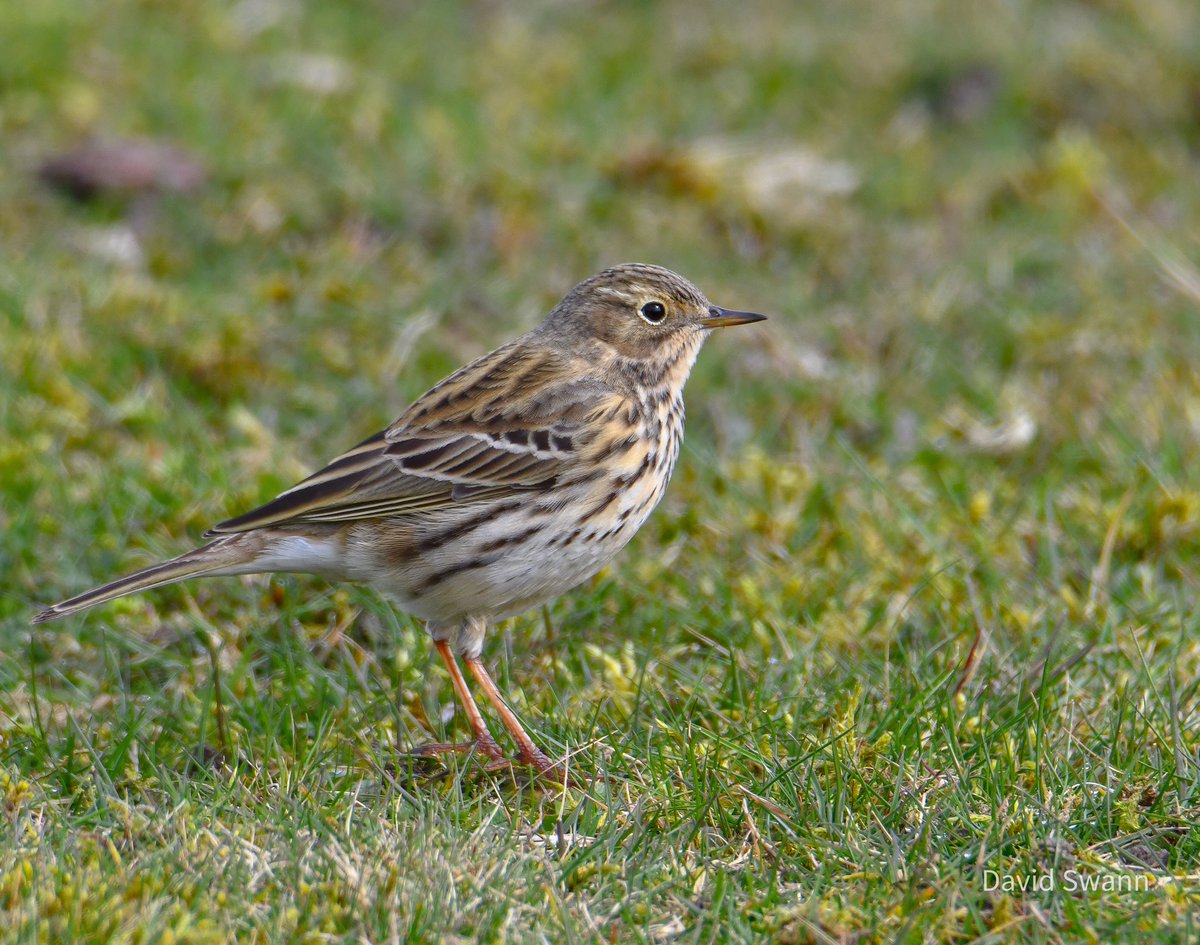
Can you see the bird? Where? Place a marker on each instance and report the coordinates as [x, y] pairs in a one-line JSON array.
[[514, 479]]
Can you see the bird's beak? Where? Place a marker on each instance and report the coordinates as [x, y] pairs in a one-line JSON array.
[[724, 318]]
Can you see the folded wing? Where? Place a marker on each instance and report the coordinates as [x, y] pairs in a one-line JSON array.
[[509, 422]]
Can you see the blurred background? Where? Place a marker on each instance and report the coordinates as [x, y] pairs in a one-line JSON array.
[[237, 237]]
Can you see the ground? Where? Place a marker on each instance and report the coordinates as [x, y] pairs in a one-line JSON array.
[[908, 651]]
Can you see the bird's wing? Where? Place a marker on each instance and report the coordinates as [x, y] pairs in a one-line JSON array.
[[514, 420]]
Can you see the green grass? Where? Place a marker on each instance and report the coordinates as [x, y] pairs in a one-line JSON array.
[[974, 414]]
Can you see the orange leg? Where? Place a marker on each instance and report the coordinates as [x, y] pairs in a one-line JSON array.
[[484, 743], [529, 752]]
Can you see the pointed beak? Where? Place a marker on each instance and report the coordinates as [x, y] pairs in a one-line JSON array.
[[724, 318]]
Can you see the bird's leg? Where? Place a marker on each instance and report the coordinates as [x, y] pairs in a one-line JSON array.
[[484, 743], [530, 754]]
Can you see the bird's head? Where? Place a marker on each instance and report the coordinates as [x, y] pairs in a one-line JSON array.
[[641, 312]]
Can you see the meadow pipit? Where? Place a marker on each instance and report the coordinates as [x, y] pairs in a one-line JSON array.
[[514, 479]]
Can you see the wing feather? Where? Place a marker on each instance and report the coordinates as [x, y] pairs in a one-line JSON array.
[[506, 423]]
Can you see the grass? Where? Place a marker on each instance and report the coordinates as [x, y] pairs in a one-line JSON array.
[[969, 427]]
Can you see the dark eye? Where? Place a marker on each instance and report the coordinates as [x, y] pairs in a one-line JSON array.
[[654, 312]]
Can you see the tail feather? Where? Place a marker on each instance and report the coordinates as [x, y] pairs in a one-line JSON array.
[[223, 556]]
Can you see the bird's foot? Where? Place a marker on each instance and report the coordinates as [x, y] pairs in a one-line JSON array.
[[496, 760], [547, 769], [483, 745]]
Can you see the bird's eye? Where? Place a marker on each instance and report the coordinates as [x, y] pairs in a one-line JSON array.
[[653, 312]]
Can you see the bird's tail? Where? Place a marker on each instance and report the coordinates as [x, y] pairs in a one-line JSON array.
[[226, 555]]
